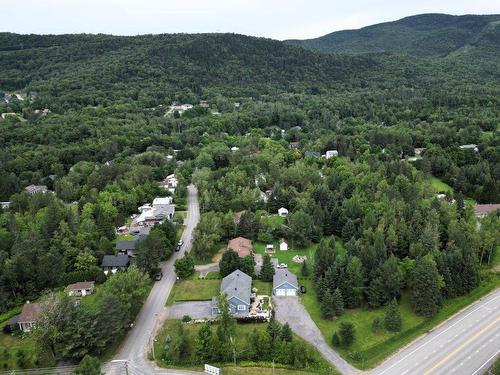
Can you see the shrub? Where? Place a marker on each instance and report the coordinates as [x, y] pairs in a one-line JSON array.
[[186, 318]]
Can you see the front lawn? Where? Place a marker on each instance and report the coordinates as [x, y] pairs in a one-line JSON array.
[[371, 348], [240, 342], [13, 344], [193, 290]]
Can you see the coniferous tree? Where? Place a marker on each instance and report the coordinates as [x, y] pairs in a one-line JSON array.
[[353, 285], [392, 317], [425, 290], [347, 333], [286, 333], [338, 302], [335, 339], [267, 270], [327, 307], [304, 270]]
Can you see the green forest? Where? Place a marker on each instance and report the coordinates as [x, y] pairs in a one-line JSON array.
[[263, 113]]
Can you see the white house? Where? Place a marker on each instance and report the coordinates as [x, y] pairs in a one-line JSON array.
[[234, 149], [283, 245], [81, 289], [169, 183], [470, 147], [331, 154], [283, 212]]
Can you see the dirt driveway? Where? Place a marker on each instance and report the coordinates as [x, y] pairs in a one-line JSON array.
[[195, 309]]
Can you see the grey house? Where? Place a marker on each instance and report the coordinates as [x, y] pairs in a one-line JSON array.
[[129, 246], [285, 283], [238, 288], [114, 263]]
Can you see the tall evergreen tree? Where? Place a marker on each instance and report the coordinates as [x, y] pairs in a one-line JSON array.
[[338, 302], [267, 270], [392, 317], [327, 307], [425, 290], [286, 333]]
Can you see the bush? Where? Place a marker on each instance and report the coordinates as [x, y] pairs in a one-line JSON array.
[[377, 325], [335, 339], [186, 318], [347, 333]]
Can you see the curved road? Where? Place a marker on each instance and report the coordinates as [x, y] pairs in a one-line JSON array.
[[467, 343]]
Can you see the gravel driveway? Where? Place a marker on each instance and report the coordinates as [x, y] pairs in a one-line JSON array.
[[195, 309], [291, 310]]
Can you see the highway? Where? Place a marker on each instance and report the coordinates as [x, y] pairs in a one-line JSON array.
[[466, 344]]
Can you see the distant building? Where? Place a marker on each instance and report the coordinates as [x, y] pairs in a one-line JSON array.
[[7, 114], [29, 316], [234, 149], [35, 189], [204, 104], [4, 205], [282, 212], [294, 145], [331, 154], [169, 183], [241, 245], [470, 147], [151, 214], [483, 210], [419, 150], [81, 289], [312, 154]]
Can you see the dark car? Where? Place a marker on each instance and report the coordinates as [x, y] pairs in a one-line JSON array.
[[303, 289], [158, 276]]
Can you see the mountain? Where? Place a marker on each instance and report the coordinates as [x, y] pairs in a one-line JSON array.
[[421, 35]]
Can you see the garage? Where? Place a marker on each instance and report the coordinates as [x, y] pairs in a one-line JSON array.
[[284, 283]]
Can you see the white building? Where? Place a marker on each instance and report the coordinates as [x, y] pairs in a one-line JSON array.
[[283, 245], [470, 147], [283, 212], [331, 154]]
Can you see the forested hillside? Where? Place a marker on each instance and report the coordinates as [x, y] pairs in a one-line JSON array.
[[263, 111], [422, 35]]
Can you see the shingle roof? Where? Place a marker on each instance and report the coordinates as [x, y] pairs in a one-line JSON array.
[[241, 245], [120, 260], [30, 313], [81, 285], [283, 275], [237, 284], [130, 244], [485, 209]]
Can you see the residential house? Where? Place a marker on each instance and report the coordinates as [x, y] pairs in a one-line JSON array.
[[331, 154], [282, 212], [237, 105], [204, 104], [29, 316], [470, 147], [483, 210], [35, 189], [81, 289], [285, 283], [237, 286], [241, 245], [294, 145], [419, 150], [169, 183], [4, 205], [283, 245], [151, 214], [7, 98], [115, 263], [129, 246]]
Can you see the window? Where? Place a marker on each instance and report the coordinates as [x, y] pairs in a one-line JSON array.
[[241, 308]]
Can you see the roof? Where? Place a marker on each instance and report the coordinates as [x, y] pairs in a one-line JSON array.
[[120, 260], [162, 201], [485, 209], [283, 275], [282, 209], [131, 244], [36, 189], [30, 313], [81, 285], [241, 245], [237, 284]]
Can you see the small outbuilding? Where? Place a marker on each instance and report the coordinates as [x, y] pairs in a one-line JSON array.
[[29, 316], [282, 212], [81, 289], [283, 245]]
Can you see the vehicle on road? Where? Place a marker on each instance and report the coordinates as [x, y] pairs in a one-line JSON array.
[[179, 245]]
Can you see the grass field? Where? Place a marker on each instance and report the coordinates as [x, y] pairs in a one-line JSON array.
[[263, 287], [242, 331], [193, 290], [371, 348], [439, 186], [274, 221], [286, 256]]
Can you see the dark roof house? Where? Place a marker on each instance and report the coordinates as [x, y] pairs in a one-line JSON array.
[[29, 316], [115, 262]]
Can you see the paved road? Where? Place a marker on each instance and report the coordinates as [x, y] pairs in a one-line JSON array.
[[138, 341], [466, 344], [291, 310]]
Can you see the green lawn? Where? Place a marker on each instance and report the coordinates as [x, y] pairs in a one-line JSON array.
[[179, 216], [371, 348], [286, 256], [242, 331], [263, 287], [194, 290], [439, 186], [11, 344], [274, 221], [124, 237]]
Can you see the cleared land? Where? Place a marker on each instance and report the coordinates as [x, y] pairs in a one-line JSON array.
[[194, 290]]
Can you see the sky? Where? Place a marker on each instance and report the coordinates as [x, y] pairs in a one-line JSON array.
[[277, 19]]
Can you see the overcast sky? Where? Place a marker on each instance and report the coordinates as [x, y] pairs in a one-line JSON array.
[[278, 19]]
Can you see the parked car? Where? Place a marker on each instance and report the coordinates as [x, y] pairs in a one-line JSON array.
[[282, 265], [303, 289], [158, 274], [179, 245]]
